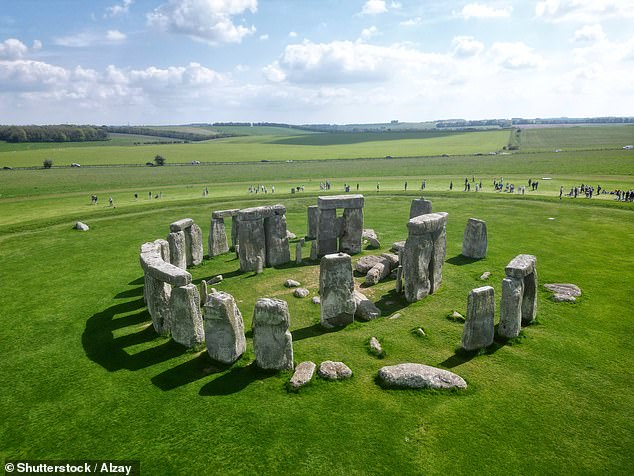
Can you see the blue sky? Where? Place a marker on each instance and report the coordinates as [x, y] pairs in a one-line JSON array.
[[313, 61]]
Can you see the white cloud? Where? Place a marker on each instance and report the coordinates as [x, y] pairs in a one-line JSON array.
[[465, 46], [412, 22], [13, 48], [118, 9], [292, 34], [373, 7], [515, 56], [37, 45], [480, 10], [115, 35], [350, 62], [589, 33], [583, 10], [264, 37], [209, 21], [368, 33]]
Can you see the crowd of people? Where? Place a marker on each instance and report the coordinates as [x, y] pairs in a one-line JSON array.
[[261, 189]]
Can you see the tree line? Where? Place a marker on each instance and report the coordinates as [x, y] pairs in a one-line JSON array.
[[52, 133], [182, 135]]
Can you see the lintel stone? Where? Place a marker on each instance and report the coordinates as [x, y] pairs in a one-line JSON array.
[[180, 225], [427, 223], [340, 201]]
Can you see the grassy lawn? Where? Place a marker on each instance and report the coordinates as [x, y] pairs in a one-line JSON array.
[[86, 376], [575, 138], [89, 378]]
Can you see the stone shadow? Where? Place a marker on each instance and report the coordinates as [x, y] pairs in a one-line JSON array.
[[391, 302], [188, 372], [462, 356], [235, 380], [460, 260], [312, 331], [103, 348]]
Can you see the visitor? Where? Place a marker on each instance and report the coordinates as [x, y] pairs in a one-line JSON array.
[[377, 187], [406, 186], [136, 196], [561, 191], [451, 185], [110, 200]]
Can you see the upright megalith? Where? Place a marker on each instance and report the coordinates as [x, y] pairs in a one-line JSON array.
[[336, 286], [479, 328], [474, 242], [313, 221], [272, 341], [339, 233], [419, 206], [160, 276], [424, 255], [518, 306], [178, 251], [224, 328], [186, 322], [217, 240], [262, 232], [276, 237], [194, 237]]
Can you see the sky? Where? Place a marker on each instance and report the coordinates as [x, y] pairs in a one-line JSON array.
[[313, 61]]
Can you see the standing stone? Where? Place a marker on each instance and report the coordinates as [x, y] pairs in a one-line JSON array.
[[351, 241], [399, 279], [217, 241], [327, 232], [313, 220], [259, 265], [313, 251], [336, 286], [186, 322], [474, 243], [524, 267], [234, 231], [157, 295], [478, 328], [511, 307], [298, 252], [251, 239], [419, 206], [424, 254], [277, 250], [195, 240], [224, 328], [204, 292], [272, 341], [178, 253]]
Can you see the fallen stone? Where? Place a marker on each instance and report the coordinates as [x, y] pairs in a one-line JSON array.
[[81, 226], [291, 283], [421, 332], [379, 272], [290, 235], [303, 375], [316, 300], [486, 275], [419, 376], [563, 298], [564, 289], [375, 347], [366, 310], [370, 235], [330, 370], [398, 246], [366, 263], [215, 279], [395, 316], [392, 258], [456, 317], [301, 292]]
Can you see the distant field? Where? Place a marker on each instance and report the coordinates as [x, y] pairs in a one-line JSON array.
[[272, 148], [575, 138]]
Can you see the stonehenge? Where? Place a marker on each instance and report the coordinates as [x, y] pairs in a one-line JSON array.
[[518, 306], [336, 286], [474, 242], [185, 243], [424, 254], [478, 329], [313, 221], [262, 232], [339, 233], [172, 301], [217, 240], [272, 341], [224, 328], [419, 206]]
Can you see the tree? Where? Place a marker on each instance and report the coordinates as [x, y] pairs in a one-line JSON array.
[[48, 163], [159, 160]]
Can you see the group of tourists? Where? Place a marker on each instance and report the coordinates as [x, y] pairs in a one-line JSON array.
[[259, 189]]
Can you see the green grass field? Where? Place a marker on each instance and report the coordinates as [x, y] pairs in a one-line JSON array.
[[575, 138], [86, 376]]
